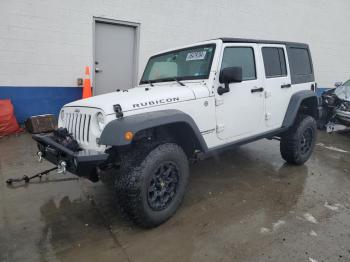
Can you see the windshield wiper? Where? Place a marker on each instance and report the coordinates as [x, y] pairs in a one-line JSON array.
[[150, 83], [178, 81]]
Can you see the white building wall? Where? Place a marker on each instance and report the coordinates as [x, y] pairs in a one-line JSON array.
[[48, 42]]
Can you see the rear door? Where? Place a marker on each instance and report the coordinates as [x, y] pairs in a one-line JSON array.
[[277, 84], [239, 113]]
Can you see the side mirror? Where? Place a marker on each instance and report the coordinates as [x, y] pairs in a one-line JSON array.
[[229, 75], [337, 84]]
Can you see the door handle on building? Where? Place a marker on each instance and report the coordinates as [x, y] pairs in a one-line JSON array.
[[98, 70]]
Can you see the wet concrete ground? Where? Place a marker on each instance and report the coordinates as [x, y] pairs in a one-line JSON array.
[[244, 205]]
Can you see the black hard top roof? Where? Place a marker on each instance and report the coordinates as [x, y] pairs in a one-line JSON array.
[[243, 40]]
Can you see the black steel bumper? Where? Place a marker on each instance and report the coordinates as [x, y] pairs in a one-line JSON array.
[[82, 163]]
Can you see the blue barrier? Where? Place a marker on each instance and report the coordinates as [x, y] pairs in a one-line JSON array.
[[29, 100], [320, 90]]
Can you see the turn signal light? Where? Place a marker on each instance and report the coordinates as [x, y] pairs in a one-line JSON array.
[[128, 135]]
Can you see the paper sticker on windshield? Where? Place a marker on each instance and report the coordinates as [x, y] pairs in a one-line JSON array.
[[196, 55]]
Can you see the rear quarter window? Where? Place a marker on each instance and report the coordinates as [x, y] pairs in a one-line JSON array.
[[301, 63]]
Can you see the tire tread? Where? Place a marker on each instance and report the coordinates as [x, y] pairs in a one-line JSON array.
[[128, 185], [289, 141]]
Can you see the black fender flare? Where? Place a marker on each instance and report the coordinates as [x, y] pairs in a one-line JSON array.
[[113, 133], [294, 105]]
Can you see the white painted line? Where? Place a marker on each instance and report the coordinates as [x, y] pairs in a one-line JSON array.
[[332, 148]]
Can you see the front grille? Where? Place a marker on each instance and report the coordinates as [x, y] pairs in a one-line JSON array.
[[78, 125]]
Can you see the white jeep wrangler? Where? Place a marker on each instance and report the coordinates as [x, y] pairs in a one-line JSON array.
[[190, 103]]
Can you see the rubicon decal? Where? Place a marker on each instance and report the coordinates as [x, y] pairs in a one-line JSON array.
[[156, 102]]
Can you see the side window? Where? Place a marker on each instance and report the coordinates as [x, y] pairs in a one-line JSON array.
[[274, 61], [240, 57], [300, 61]]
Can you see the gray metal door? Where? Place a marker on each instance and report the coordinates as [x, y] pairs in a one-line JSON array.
[[115, 57]]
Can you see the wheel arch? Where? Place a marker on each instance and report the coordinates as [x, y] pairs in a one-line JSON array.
[[180, 133], [305, 102], [163, 124]]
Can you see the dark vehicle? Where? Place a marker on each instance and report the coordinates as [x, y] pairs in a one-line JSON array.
[[335, 106]]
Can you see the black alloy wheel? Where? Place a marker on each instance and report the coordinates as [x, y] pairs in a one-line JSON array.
[[306, 140], [163, 186]]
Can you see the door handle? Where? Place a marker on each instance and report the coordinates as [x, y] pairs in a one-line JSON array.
[[286, 86], [255, 90], [98, 70]]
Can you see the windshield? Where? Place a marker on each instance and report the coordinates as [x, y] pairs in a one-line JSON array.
[[347, 83], [184, 64]]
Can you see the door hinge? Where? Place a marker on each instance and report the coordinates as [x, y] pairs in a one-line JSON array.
[[267, 94], [220, 128], [219, 101], [267, 116]]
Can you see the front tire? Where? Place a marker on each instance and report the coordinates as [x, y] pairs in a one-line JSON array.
[[152, 183], [298, 143]]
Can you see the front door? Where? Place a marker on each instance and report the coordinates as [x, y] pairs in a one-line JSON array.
[[115, 57], [240, 112]]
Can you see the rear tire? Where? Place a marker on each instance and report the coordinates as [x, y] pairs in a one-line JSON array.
[[152, 183], [298, 143]]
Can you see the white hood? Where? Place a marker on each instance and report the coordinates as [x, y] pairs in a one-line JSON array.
[[137, 98]]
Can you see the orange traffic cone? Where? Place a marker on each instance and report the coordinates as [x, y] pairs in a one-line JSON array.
[[87, 84]]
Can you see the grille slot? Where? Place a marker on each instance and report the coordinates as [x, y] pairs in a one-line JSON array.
[[75, 117], [88, 129], [78, 125], [84, 126], [80, 129]]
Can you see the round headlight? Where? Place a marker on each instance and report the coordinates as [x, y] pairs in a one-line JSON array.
[[100, 121], [62, 115]]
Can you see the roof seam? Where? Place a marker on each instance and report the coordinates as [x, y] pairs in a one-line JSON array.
[[243, 40]]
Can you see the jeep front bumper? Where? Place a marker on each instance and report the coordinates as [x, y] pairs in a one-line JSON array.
[[82, 163]]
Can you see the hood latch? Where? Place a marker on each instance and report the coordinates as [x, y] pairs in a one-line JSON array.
[[118, 111]]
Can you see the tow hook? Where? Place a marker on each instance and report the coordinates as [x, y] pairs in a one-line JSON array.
[[62, 167]]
